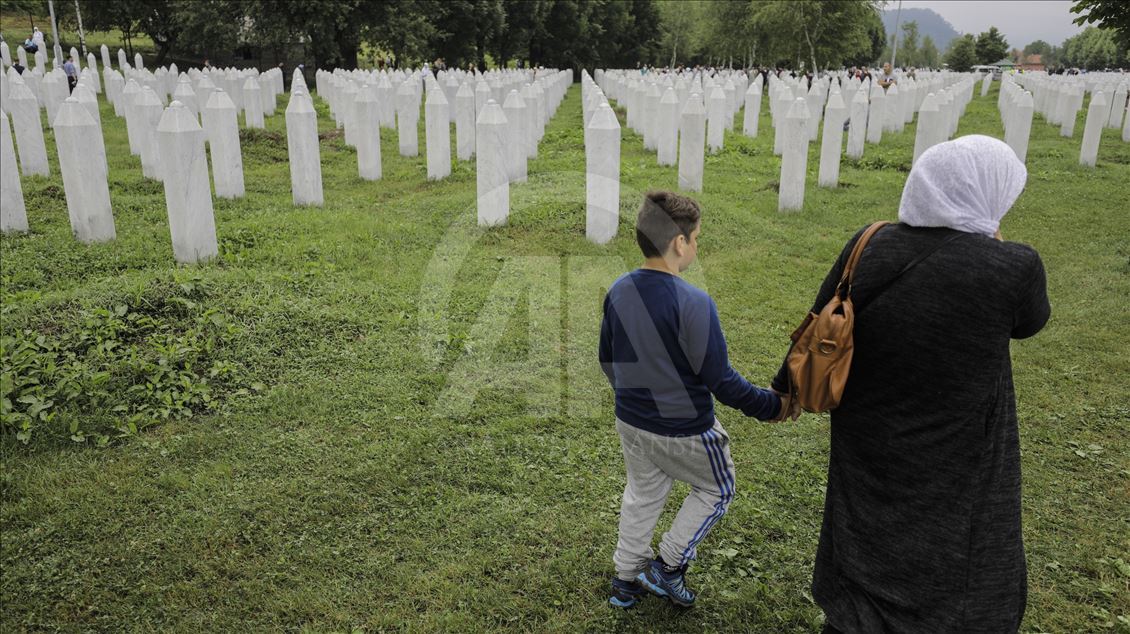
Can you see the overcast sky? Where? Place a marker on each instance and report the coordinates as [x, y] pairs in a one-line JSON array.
[[1021, 22]]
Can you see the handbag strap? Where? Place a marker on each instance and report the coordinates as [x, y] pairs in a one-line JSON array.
[[913, 263], [856, 254]]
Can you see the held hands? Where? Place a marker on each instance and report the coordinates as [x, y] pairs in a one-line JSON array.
[[790, 409]]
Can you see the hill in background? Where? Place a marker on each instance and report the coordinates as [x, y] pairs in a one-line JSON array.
[[929, 23]]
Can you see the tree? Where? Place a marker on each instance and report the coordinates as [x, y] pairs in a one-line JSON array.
[[990, 46], [908, 54], [1093, 49], [962, 54], [929, 53], [1038, 47], [1107, 14], [679, 26]]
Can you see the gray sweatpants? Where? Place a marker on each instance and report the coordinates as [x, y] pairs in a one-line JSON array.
[[654, 462]]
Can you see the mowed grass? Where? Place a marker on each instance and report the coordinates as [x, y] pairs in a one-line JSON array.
[[406, 469]]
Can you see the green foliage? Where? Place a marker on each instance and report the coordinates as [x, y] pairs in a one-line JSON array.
[[1112, 15], [315, 507], [962, 54], [930, 57], [990, 46], [113, 371], [1094, 49]]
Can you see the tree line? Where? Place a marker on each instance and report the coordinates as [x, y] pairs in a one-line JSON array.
[[800, 34]]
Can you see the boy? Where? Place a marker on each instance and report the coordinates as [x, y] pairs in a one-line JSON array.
[[662, 347]]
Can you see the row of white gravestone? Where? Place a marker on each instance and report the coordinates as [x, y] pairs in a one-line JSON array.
[[1058, 99], [364, 101], [602, 163]]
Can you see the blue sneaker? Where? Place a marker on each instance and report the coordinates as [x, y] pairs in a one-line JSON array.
[[670, 584], [625, 594]]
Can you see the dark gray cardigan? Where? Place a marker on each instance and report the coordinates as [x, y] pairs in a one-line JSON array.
[[921, 527]]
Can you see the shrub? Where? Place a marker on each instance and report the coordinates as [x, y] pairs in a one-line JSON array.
[[113, 371]]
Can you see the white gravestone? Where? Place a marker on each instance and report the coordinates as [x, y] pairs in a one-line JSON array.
[[188, 197], [150, 112], [667, 130], [894, 119], [105, 51], [602, 175], [716, 119], [692, 143], [516, 144], [368, 134], [253, 104], [752, 108], [465, 123], [185, 94], [832, 143], [407, 119], [857, 131], [784, 100], [221, 130], [304, 152], [491, 166], [876, 114], [82, 162], [929, 130], [437, 138], [28, 128], [1126, 125], [130, 92], [13, 213], [794, 160], [1118, 106], [1017, 134], [1097, 116]]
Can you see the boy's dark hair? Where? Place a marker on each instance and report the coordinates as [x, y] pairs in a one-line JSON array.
[[663, 216]]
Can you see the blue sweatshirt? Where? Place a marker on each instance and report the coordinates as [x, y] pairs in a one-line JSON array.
[[662, 348]]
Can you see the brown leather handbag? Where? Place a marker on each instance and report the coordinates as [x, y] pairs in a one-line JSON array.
[[820, 357]]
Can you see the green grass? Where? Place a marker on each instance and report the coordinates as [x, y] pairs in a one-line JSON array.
[[359, 491]]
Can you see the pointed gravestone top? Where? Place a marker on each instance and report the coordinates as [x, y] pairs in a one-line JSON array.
[[513, 100], [669, 96], [694, 105], [72, 114], [148, 97], [177, 118], [835, 100], [436, 97], [300, 103], [930, 103], [465, 91], [492, 114], [219, 100], [798, 109], [604, 119]]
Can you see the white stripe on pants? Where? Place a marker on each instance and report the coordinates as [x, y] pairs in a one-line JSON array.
[[653, 463]]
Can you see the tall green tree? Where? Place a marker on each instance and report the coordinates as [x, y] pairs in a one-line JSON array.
[[1113, 15], [908, 53], [929, 53], [1093, 49], [990, 46], [962, 54], [1037, 47]]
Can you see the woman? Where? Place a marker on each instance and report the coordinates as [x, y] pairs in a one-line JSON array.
[[921, 529]]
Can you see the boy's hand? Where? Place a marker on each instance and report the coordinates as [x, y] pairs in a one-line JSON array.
[[790, 409]]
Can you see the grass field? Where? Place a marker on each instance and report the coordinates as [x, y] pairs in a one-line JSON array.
[[339, 472]]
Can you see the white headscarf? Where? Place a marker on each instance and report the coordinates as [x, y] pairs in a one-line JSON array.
[[966, 184]]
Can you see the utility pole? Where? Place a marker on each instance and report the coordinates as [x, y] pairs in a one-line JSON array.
[[895, 47], [81, 35]]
